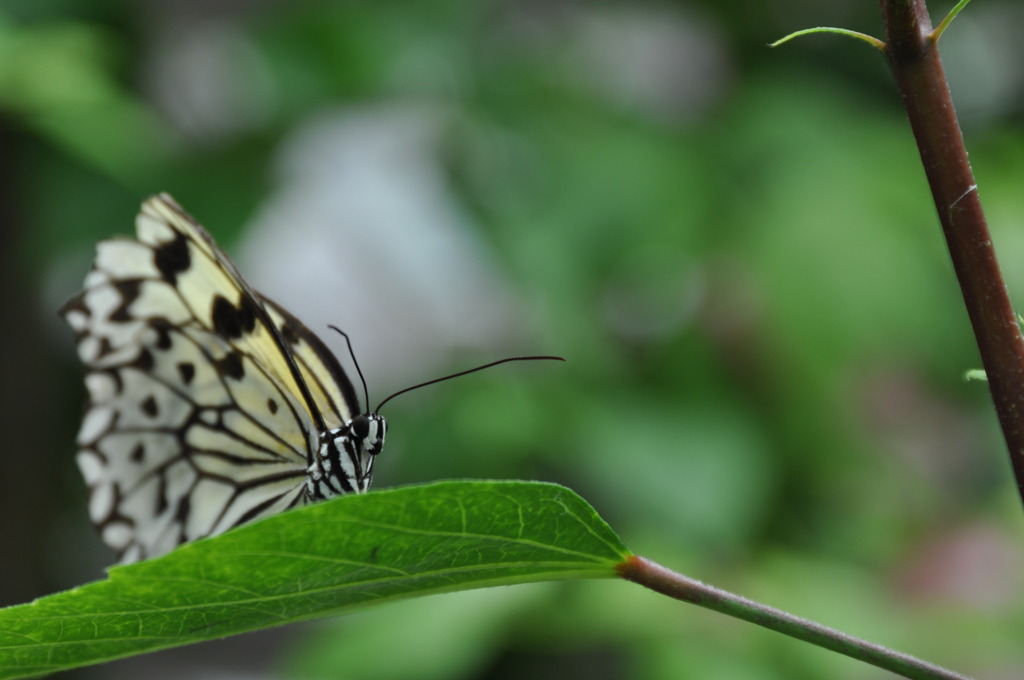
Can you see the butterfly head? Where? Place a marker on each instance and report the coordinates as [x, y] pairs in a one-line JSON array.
[[367, 432], [344, 463]]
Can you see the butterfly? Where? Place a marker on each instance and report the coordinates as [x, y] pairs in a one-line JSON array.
[[209, 405]]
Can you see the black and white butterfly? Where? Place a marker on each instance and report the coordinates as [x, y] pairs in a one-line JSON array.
[[209, 405]]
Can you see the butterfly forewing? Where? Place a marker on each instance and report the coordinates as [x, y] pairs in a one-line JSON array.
[[199, 415], [330, 388], [218, 299]]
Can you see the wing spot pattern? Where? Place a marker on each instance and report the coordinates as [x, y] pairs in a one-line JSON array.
[[231, 366], [129, 290], [172, 258], [144, 362], [194, 423], [288, 334], [187, 371], [149, 407], [230, 322], [163, 335]]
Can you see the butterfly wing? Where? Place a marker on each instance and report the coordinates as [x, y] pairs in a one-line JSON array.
[[329, 386], [198, 417]]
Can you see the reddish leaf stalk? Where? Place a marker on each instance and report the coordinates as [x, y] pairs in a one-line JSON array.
[[667, 582], [913, 55]]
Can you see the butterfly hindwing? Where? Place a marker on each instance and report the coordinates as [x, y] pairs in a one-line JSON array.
[[199, 417]]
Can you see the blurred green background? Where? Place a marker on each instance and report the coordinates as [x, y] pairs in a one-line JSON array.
[[733, 246]]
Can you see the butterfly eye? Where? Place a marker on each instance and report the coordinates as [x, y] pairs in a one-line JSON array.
[[360, 427]]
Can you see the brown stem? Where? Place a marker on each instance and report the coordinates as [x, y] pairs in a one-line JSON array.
[[911, 48], [667, 582]]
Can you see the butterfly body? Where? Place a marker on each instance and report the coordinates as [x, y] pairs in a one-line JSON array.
[[360, 440], [209, 404]]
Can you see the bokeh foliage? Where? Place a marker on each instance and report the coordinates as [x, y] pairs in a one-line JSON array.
[[733, 246]]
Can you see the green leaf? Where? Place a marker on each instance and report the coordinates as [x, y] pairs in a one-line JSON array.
[[314, 562]]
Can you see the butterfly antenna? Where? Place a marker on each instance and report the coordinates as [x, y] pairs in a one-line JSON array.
[[351, 353], [461, 373]]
